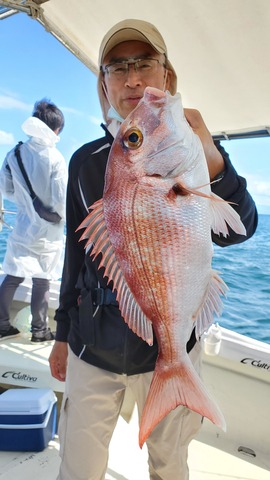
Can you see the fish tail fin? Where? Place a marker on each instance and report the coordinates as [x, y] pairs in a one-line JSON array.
[[177, 385]]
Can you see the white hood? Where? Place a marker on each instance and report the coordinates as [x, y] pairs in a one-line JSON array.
[[33, 127]]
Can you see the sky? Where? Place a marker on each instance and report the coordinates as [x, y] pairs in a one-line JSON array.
[[35, 65]]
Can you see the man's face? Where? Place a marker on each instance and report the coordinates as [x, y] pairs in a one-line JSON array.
[[124, 92]]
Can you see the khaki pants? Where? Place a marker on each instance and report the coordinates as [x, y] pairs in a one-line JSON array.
[[90, 409]]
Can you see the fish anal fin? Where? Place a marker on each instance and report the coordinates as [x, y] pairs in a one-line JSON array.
[[212, 303], [173, 386], [132, 312]]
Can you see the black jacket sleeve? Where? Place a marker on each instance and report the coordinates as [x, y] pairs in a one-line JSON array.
[[233, 188]]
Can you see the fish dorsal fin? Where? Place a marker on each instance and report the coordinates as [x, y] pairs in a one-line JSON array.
[[212, 303], [96, 234], [223, 214]]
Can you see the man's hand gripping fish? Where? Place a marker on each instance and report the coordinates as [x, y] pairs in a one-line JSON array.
[[153, 228]]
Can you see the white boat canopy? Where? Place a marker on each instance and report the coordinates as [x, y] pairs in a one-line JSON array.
[[219, 49]]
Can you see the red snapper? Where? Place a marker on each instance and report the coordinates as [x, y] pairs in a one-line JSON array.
[[153, 227]]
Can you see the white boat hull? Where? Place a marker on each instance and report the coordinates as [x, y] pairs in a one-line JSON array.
[[239, 379]]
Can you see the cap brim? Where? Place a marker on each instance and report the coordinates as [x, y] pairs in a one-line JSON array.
[[126, 35]]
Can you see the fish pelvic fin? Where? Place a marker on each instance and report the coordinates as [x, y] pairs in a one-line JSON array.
[[212, 303], [97, 237], [172, 386], [223, 215]]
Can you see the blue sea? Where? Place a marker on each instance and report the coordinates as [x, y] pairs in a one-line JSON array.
[[246, 270]]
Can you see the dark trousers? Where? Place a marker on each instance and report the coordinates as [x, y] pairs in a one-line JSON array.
[[39, 302]]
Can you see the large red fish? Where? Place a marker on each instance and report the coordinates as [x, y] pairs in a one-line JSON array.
[[153, 227]]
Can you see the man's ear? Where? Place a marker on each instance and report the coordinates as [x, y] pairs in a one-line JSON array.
[[104, 87], [167, 80]]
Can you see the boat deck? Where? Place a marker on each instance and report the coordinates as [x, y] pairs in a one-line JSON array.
[[23, 364], [128, 462]]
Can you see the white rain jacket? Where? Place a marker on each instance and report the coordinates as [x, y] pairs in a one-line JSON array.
[[35, 247]]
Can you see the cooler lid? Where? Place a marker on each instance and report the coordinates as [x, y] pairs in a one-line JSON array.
[[25, 401]]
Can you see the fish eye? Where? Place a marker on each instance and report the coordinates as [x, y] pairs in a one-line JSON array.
[[133, 138]]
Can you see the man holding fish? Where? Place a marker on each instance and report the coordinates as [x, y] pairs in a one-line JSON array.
[[138, 291]]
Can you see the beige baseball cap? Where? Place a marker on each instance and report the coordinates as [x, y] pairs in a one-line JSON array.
[[128, 30]]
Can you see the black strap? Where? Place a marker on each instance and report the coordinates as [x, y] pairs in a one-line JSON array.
[[25, 176], [192, 341], [104, 296]]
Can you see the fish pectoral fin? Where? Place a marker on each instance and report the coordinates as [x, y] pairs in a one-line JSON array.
[[223, 215], [96, 234], [176, 384], [212, 303], [179, 189]]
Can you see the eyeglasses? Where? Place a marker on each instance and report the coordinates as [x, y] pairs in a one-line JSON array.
[[145, 67]]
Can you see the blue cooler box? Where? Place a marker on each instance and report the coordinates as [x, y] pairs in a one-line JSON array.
[[28, 419]]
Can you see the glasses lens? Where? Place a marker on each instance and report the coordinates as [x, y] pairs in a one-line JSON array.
[[144, 67], [148, 65], [117, 69]]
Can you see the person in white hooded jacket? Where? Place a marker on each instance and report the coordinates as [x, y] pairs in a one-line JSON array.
[[35, 246]]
